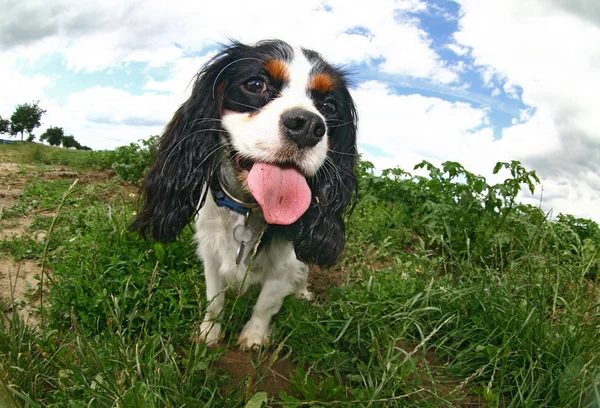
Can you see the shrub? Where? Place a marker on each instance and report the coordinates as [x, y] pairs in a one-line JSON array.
[[455, 212], [131, 162]]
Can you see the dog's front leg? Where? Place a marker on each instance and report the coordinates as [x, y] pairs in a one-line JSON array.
[[210, 328], [257, 330]]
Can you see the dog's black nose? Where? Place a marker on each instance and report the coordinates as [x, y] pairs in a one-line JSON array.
[[303, 127]]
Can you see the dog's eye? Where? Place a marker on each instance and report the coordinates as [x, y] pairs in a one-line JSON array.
[[256, 86], [328, 107]]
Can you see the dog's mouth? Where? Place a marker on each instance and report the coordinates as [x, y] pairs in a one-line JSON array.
[[244, 163], [280, 189]]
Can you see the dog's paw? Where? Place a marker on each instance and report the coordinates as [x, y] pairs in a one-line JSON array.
[[304, 294], [253, 337], [209, 333]]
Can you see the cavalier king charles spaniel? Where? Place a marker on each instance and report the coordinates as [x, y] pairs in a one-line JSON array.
[[262, 155]]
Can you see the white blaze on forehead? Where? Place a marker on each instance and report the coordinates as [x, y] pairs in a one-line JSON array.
[[299, 76], [295, 94]]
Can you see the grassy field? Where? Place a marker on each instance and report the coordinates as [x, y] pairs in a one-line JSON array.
[[450, 294]]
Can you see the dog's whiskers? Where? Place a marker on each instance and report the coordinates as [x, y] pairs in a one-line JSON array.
[[338, 124], [328, 160], [243, 104], [337, 172], [174, 148], [203, 120], [342, 153], [219, 147]]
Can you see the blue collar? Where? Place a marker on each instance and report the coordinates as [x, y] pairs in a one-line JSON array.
[[224, 199]]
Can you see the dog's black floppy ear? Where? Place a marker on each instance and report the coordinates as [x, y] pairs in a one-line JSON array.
[[176, 185], [335, 191]]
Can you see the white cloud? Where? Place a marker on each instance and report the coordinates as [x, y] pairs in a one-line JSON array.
[[93, 36], [96, 36], [17, 88], [105, 118], [458, 49], [413, 127], [553, 56], [181, 76]]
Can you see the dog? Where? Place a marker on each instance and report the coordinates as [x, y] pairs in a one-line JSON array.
[[263, 155]]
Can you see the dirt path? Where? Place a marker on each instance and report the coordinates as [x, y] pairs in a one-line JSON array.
[[18, 283], [18, 288], [11, 184]]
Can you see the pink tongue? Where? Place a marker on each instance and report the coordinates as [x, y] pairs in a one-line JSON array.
[[282, 193]]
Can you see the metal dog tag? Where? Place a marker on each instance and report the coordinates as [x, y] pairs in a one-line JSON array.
[[240, 253], [243, 234]]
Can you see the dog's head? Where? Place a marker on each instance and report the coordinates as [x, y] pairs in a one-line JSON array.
[[279, 122]]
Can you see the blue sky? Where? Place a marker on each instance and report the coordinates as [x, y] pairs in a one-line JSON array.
[[474, 81]]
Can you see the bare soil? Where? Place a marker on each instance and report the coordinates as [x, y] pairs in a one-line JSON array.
[[19, 287], [11, 184], [251, 372], [321, 281]]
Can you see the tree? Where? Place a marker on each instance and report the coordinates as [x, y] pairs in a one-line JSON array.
[[69, 141], [53, 135], [26, 118], [4, 125]]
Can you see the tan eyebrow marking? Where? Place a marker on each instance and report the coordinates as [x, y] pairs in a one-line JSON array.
[[278, 69], [322, 83]]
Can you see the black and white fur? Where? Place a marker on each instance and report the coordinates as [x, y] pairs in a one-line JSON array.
[[232, 119]]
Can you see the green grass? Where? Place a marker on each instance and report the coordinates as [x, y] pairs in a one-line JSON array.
[[35, 153], [441, 307], [130, 162]]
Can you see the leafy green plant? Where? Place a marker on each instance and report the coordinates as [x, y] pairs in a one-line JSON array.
[[312, 388], [132, 162]]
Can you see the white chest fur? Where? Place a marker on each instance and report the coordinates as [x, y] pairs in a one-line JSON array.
[[218, 246]]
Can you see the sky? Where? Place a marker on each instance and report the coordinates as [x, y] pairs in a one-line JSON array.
[[472, 81]]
